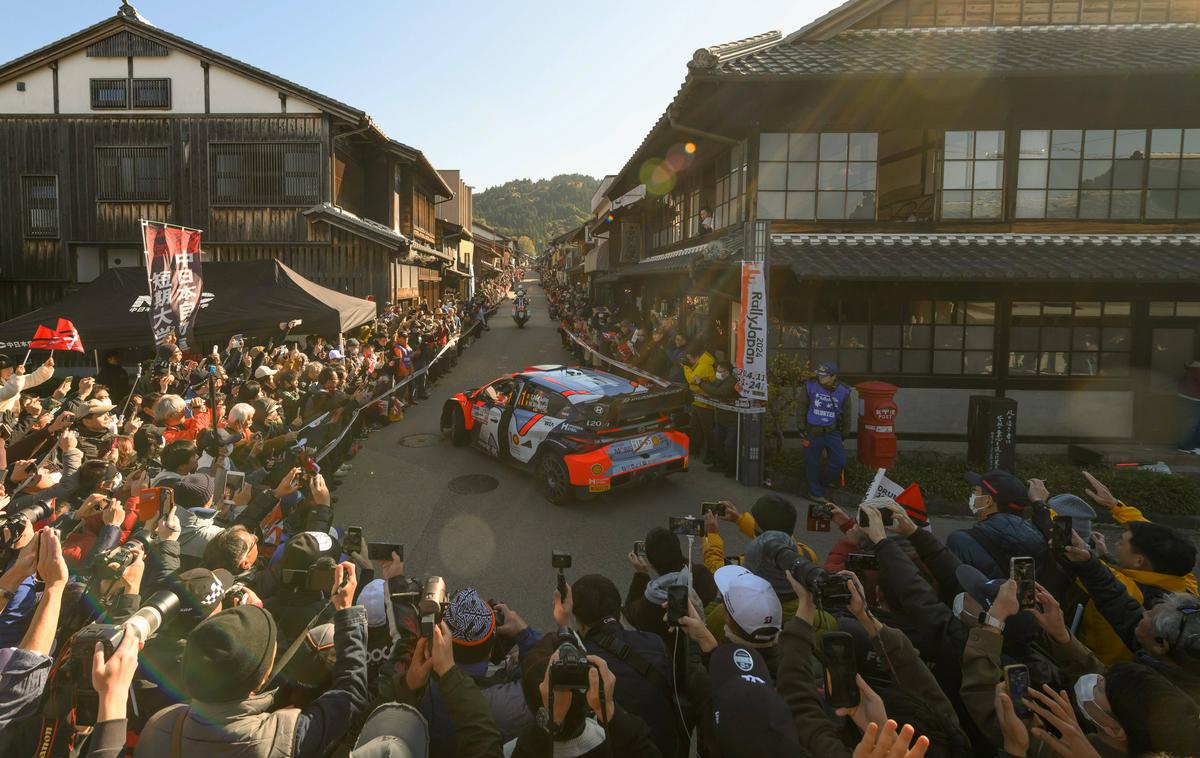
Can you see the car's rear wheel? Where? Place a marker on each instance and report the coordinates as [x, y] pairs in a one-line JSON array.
[[458, 429], [553, 479]]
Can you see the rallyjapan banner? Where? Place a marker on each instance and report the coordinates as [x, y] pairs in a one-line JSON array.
[[173, 268], [752, 333]]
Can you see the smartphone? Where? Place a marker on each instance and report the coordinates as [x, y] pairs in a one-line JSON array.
[[149, 502], [352, 540], [885, 514], [1060, 533], [686, 526], [233, 482], [639, 549], [860, 562], [320, 579], [1023, 570], [382, 551], [718, 509], [820, 517], [677, 603], [1016, 680], [561, 560], [841, 668]]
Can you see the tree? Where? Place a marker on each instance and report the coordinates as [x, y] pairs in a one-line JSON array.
[[539, 210], [525, 246]]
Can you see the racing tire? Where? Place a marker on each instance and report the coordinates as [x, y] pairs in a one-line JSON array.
[[459, 436], [554, 481]]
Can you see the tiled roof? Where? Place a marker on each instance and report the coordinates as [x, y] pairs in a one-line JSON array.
[[951, 50], [1132, 258]]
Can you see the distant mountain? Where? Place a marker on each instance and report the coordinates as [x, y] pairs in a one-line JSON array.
[[540, 210]]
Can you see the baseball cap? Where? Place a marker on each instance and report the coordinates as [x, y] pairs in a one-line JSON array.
[[750, 718], [262, 371], [95, 408], [335, 355], [977, 585], [304, 549], [827, 369], [372, 598], [1007, 490], [393, 730], [199, 591], [750, 603]]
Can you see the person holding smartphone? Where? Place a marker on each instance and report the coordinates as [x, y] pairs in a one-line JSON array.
[[999, 502]]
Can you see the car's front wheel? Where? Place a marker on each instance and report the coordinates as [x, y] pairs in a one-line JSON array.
[[553, 479], [459, 434]]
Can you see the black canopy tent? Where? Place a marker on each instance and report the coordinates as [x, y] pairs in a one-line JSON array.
[[249, 297]]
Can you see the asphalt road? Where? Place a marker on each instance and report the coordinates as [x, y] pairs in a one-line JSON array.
[[500, 541]]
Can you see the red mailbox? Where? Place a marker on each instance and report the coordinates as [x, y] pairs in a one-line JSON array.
[[876, 424]]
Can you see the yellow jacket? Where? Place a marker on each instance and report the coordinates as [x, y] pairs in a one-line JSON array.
[[1095, 631], [714, 544], [705, 370]]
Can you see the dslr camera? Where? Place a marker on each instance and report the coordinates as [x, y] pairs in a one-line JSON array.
[[12, 525], [112, 562], [570, 671], [160, 608], [829, 590]]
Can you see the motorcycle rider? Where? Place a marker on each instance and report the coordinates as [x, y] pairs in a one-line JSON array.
[[521, 307]]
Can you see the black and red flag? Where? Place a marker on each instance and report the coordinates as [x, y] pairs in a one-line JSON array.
[[176, 280]]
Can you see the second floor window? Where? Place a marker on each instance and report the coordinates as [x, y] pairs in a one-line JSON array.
[[973, 175], [826, 176], [131, 174], [264, 173], [1122, 174], [730, 183], [110, 94], [423, 216]]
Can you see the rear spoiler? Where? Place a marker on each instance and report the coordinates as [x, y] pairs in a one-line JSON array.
[[659, 402]]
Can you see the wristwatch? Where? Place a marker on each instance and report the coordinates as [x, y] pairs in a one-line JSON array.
[[986, 619]]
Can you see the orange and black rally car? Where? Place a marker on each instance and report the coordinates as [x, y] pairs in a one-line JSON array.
[[580, 430]]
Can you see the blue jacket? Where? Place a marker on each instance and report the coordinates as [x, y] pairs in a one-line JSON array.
[[1012, 535]]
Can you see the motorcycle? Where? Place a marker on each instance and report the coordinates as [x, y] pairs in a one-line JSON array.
[[520, 314]]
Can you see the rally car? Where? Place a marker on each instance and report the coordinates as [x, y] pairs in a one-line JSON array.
[[581, 430]]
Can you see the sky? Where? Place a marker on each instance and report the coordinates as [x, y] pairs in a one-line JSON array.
[[500, 90]]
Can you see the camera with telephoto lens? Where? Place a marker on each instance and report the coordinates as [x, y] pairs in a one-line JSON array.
[[160, 608], [829, 590], [112, 562], [570, 671], [12, 525], [432, 605]]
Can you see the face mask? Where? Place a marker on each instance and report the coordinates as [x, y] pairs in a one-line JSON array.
[[1085, 693], [722, 374], [975, 497]]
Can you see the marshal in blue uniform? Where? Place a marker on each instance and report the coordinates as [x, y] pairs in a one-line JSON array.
[[823, 419]]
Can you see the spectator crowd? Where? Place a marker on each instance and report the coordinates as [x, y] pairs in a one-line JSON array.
[[176, 581]]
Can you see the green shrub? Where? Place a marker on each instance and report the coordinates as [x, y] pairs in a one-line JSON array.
[[941, 479]]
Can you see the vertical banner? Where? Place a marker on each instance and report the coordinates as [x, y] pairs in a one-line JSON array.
[[751, 363], [173, 269]]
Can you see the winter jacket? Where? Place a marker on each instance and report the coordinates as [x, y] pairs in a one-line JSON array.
[[475, 731], [724, 390], [250, 728], [1095, 631], [10, 391], [714, 545], [635, 692], [648, 616], [1012, 536], [704, 370]]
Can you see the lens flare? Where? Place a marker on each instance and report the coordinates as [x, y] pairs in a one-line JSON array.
[[658, 176], [690, 148]]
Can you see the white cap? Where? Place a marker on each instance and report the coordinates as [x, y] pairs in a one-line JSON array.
[[264, 370], [750, 603], [335, 355]]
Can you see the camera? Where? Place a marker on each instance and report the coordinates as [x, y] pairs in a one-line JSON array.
[[560, 560], [886, 516], [432, 605], [158, 609], [112, 563], [829, 590], [12, 525], [570, 671]]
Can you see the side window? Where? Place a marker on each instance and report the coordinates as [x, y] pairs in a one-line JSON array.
[[498, 391], [535, 399]]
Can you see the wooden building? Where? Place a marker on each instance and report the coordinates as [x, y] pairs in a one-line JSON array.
[[455, 217], [123, 121], [998, 197], [493, 250]]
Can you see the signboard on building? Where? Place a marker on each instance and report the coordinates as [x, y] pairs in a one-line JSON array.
[[176, 279], [631, 242], [751, 357]]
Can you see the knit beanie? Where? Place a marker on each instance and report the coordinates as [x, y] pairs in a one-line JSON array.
[[472, 625], [228, 656], [193, 490], [774, 513], [663, 551]]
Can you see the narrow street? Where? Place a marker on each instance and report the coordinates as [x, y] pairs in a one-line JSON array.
[[403, 484]]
